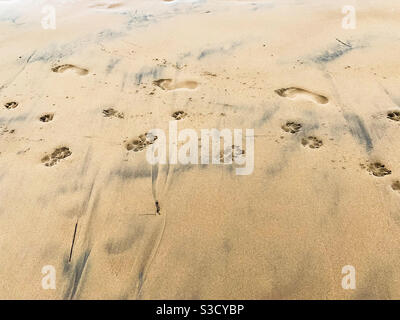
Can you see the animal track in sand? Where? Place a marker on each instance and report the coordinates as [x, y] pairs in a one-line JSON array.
[[65, 67], [141, 142], [378, 169], [111, 112], [396, 185], [294, 93], [312, 142], [168, 84], [57, 155], [11, 105], [179, 115], [209, 74], [4, 130], [394, 115], [291, 127], [47, 117], [230, 154]]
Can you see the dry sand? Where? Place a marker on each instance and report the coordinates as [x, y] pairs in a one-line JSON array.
[[315, 202]]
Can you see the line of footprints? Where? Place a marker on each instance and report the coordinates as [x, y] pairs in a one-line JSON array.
[[142, 141], [375, 168]]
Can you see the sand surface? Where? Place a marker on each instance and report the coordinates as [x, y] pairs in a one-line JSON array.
[[320, 98]]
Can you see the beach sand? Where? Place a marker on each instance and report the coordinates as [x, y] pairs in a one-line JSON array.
[[324, 103]]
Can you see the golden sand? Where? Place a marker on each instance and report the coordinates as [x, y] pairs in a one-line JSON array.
[[325, 106]]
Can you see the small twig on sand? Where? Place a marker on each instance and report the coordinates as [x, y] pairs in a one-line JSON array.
[[347, 45], [158, 208], [73, 242]]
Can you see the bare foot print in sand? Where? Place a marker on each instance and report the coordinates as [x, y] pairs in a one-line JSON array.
[[294, 93], [141, 142], [11, 105], [47, 117], [378, 169], [168, 84], [396, 185], [179, 115], [111, 112], [106, 5], [312, 142], [394, 115], [57, 155], [64, 67], [291, 127]]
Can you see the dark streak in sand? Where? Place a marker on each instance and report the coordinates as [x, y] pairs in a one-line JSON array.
[[333, 53], [221, 49], [111, 65], [359, 131], [131, 173], [267, 115], [121, 245], [76, 277], [138, 20], [148, 72]]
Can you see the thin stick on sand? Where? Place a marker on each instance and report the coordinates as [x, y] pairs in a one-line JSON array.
[[347, 45]]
